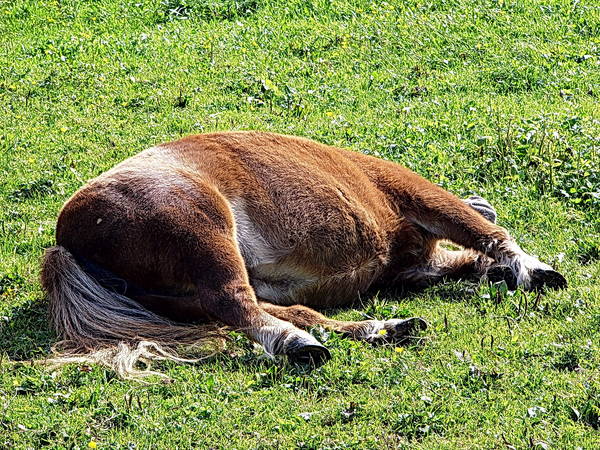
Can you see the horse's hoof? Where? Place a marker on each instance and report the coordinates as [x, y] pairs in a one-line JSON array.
[[303, 348], [499, 273], [309, 355], [483, 207], [544, 278], [398, 330]]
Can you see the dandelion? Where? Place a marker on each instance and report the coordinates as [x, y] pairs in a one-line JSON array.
[[398, 349], [382, 332], [63, 129], [329, 114], [92, 444]]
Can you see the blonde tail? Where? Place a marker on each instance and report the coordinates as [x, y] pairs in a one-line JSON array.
[[98, 325]]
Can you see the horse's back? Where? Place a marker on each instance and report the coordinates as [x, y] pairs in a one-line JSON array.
[[307, 221]]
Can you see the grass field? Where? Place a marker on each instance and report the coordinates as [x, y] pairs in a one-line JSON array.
[[494, 97]]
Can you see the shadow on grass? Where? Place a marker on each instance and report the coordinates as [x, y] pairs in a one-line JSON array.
[[450, 290], [26, 333]]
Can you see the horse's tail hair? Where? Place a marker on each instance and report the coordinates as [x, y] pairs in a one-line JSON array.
[[97, 325]]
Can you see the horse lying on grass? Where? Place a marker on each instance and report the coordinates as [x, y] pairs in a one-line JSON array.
[[251, 231]]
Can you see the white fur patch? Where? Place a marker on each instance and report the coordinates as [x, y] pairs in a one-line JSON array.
[[270, 277], [254, 248], [520, 262], [277, 336]]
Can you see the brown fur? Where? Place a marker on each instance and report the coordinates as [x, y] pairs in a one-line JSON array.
[[203, 227]]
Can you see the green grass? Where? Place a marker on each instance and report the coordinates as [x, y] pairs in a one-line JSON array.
[[498, 98]]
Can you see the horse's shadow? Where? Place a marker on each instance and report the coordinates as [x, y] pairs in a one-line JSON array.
[[25, 333], [454, 291]]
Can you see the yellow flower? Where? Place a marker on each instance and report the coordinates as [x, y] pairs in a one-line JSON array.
[[92, 444], [329, 114], [382, 332], [398, 349], [63, 129]]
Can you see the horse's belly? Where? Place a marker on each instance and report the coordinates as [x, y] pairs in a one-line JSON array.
[[318, 292], [289, 282], [318, 259]]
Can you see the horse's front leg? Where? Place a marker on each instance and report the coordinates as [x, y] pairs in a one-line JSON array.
[[444, 216]]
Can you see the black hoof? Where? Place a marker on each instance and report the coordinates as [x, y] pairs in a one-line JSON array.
[[311, 355], [408, 327], [550, 279], [499, 273], [483, 207]]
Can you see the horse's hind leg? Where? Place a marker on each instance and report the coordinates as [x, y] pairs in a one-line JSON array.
[[225, 295], [193, 250], [234, 304], [445, 264], [368, 330]]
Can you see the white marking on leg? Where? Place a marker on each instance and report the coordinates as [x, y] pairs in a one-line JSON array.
[[384, 330], [522, 264], [281, 337]]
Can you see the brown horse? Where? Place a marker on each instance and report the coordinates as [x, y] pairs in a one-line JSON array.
[[251, 230]]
